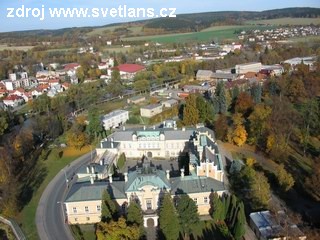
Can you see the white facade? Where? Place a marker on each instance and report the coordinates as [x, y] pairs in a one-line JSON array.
[[115, 119], [248, 67]]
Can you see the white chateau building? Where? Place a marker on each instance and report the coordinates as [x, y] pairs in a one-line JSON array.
[[146, 183]]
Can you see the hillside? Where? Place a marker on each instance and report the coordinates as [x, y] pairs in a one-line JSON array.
[[183, 23]]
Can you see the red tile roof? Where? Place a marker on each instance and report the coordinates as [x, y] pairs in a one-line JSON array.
[[71, 66], [12, 98], [129, 68]]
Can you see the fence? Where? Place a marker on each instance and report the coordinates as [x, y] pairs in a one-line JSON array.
[[14, 227]]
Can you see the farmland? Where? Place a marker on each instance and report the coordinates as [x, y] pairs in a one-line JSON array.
[[217, 33], [20, 48], [287, 21]]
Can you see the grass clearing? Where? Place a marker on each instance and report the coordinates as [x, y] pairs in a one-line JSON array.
[[287, 21], [52, 165]]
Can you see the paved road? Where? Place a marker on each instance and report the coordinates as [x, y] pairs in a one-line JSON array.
[[50, 215]]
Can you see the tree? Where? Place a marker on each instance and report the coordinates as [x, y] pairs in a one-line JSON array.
[[115, 230], [256, 93], [238, 229], [260, 191], [239, 135], [94, 126], [244, 103], [190, 111], [77, 139], [141, 85], [221, 127], [313, 182], [220, 98], [3, 122], [134, 215], [80, 74], [217, 208], [188, 214], [115, 86], [285, 179], [258, 121], [108, 207], [168, 218]]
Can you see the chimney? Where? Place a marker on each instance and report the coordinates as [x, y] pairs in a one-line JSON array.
[[101, 162], [101, 144], [154, 127], [110, 178], [92, 179], [92, 170], [182, 172], [111, 144], [124, 128], [168, 174], [88, 169], [183, 129], [125, 177], [144, 127]]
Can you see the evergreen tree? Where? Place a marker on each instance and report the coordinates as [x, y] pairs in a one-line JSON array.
[[256, 93], [106, 215], [221, 98], [134, 215], [217, 208], [190, 111], [168, 219], [188, 214], [239, 227], [235, 93], [94, 126]]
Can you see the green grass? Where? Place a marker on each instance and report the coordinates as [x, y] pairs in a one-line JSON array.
[[107, 107], [135, 30], [53, 166], [218, 33], [287, 21]]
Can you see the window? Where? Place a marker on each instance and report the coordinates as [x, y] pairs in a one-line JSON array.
[[149, 204], [98, 208], [88, 219], [86, 209], [205, 199], [76, 219], [75, 210], [195, 200]]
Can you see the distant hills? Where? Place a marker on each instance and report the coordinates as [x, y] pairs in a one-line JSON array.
[[184, 22]]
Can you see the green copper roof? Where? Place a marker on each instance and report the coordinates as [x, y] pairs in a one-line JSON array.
[[148, 133], [137, 180]]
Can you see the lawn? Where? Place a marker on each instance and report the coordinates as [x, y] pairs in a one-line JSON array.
[[287, 21], [51, 166]]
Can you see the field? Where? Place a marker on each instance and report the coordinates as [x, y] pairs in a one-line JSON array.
[[135, 30], [287, 21], [48, 169], [217, 33], [20, 48]]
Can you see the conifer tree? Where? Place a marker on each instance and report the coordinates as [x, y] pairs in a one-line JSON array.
[[168, 219], [188, 214]]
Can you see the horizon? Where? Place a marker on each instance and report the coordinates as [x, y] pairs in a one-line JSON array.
[[31, 23]]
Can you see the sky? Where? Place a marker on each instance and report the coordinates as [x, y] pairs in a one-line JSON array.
[[15, 23]]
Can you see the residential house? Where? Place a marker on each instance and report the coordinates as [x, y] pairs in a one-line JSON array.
[[71, 68], [136, 99], [169, 103], [13, 101], [127, 71], [204, 75], [151, 110], [115, 119]]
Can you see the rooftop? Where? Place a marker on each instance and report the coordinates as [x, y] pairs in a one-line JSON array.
[[152, 106], [130, 68]]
